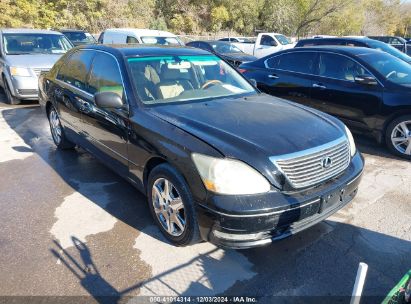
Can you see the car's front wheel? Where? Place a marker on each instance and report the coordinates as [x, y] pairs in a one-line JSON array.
[[172, 206], [398, 136], [9, 96], [57, 132]]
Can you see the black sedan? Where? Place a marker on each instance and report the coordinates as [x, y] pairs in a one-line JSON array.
[[368, 89], [225, 50], [217, 160]]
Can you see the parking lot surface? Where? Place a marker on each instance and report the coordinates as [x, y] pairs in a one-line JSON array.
[[71, 227]]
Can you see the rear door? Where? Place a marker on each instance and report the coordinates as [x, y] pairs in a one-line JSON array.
[[71, 88], [335, 91], [289, 76], [106, 129]]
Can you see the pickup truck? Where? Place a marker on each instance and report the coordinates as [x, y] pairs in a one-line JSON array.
[[265, 44]]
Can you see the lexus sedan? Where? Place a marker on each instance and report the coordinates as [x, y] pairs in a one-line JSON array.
[[368, 89], [217, 160]]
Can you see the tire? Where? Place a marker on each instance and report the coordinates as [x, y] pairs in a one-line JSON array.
[[396, 137], [57, 131], [179, 189], [10, 98]]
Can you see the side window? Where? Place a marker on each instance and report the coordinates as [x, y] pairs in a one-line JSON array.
[[340, 67], [131, 39], [75, 69], [105, 75], [272, 63], [101, 38], [268, 41], [301, 62], [205, 46]]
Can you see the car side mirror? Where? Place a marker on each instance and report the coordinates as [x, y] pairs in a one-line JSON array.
[[108, 100], [365, 80], [273, 43]]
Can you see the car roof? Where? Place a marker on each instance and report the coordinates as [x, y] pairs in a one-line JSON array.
[[27, 31], [352, 38], [127, 50], [347, 50], [140, 32]]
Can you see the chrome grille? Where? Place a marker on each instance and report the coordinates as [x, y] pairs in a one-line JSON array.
[[37, 71], [310, 167]]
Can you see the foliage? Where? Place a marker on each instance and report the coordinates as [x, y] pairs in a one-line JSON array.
[[291, 17]]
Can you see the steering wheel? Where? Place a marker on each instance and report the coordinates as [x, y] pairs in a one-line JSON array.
[[391, 74], [209, 83]]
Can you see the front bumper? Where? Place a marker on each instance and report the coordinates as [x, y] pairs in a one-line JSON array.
[[25, 87], [256, 220]]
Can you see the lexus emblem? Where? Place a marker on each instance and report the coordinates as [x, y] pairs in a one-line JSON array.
[[326, 162]]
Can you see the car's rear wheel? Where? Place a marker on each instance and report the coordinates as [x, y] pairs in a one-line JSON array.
[[172, 205], [9, 96], [398, 136], [57, 132]]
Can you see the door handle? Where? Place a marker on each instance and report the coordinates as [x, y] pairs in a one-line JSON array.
[[85, 106], [319, 86], [273, 76]]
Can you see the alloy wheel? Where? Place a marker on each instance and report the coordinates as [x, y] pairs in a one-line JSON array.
[[168, 207], [55, 126], [401, 137]]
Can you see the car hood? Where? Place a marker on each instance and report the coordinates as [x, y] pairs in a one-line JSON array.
[[252, 128], [239, 57], [45, 61]]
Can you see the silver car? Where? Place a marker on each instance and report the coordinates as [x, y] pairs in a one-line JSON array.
[[24, 54]]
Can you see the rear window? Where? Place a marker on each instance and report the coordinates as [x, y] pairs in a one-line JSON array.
[[161, 40]]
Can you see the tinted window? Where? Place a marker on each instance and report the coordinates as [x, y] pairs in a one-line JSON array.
[[105, 75], [339, 67], [272, 63], [268, 41], [204, 46], [75, 69], [131, 39], [302, 62]]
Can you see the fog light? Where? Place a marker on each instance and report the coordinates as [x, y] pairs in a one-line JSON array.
[[238, 237]]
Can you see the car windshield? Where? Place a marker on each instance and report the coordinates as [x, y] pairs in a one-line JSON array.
[[375, 44], [283, 40], [168, 79], [224, 48], [161, 40], [392, 69], [80, 37], [16, 44]]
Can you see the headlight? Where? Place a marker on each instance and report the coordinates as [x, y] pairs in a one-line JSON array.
[[227, 176], [15, 71], [353, 148]]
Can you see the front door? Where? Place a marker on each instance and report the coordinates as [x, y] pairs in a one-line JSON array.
[[336, 92], [106, 129]]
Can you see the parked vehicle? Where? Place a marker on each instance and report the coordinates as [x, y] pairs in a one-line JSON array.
[[265, 44], [238, 39], [366, 88], [397, 42], [217, 160], [143, 36], [355, 41], [78, 37], [226, 50], [24, 53]]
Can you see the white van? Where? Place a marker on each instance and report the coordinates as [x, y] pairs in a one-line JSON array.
[[143, 36]]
